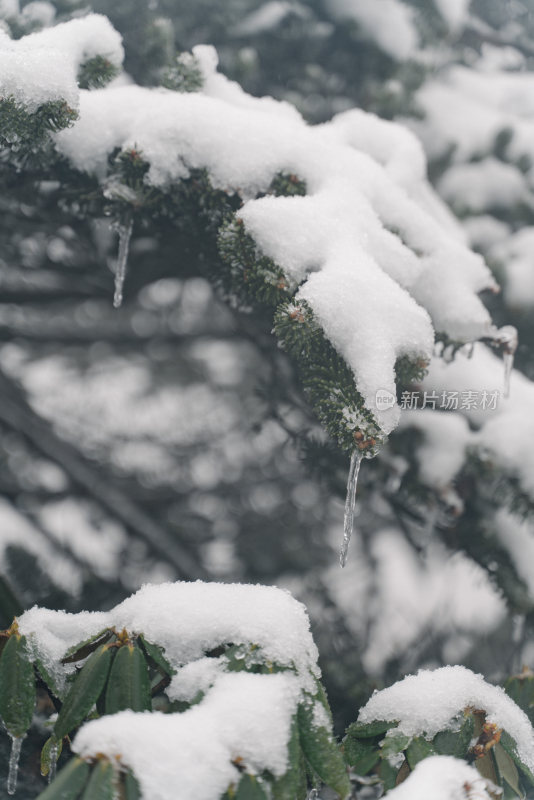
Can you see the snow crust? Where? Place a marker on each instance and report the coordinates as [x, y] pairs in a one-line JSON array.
[[43, 66], [442, 778], [370, 247], [179, 756], [241, 716], [188, 619], [399, 38], [431, 701]]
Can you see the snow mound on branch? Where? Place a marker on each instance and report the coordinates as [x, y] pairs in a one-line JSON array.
[[188, 619], [43, 67], [186, 755], [442, 778], [398, 38], [430, 701], [370, 247]]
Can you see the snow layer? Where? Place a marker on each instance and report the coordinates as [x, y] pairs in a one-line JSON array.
[[188, 619], [398, 38], [430, 701], [516, 254], [369, 229], [371, 248], [503, 434], [180, 756], [442, 778], [43, 66]]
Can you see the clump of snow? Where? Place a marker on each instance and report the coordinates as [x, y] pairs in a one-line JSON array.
[[398, 38], [371, 248], [39, 12], [189, 619], [441, 455], [516, 255], [431, 701], [268, 17], [482, 185], [243, 716], [443, 778], [43, 66], [453, 12], [516, 535]]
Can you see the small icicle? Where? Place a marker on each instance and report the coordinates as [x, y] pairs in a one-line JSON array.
[[53, 762], [125, 234], [507, 338], [350, 504], [16, 745]]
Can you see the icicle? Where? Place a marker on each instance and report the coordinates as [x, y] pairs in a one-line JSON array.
[[507, 338], [53, 762], [125, 234], [16, 745], [350, 503]]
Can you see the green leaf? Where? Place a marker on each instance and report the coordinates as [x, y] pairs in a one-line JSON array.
[[47, 677], [417, 750], [17, 686], [83, 649], [369, 730], [129, 683], [286, 787], [101, 782], [46, 753], [455, 743], [155, 654], [84, 692], [507, 769], [69, 782], [387, 774], [363, 755], [510, 746], [321, 751], [521, 689], [394, 744], [250, 789], [131, 787]]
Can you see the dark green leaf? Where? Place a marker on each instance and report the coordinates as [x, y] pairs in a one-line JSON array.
[[455, 743], [396, 743], [156, 654], [128, 684], [387, 774], [417, 750], [101, 782], [511, 748], [250, 789], [507, 769], [286, 787], [362, 754], [46, 754], [47, 677], [83, 693], [83, 649], [69, 782], [521, 689], [17, 686], [321, 751], [369, 730], [131, 787]]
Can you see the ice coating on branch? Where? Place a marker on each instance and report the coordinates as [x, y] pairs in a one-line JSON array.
[[442, 778], [14, 758], [430, 701], [399, 38], [190, 754], [43, 66], [188, 619], [350, 504]]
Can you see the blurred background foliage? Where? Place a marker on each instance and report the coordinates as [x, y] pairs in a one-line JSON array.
[[168, 439]]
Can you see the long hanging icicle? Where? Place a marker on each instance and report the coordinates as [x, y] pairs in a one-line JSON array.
[[507, 338], [125, 234], [350, 504], [16, 745]]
